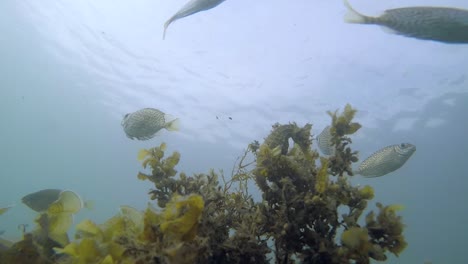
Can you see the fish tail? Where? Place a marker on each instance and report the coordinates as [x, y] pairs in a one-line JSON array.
[[173, 125], [89, 204], [166, 25], [352, 16]]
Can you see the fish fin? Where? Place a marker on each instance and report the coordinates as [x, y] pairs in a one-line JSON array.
[[367, 176], [352, 16], [88, 204], [358, 172], [166, 25], [389, 30], [173, 125]]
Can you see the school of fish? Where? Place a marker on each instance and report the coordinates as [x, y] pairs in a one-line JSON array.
[[441, 24]]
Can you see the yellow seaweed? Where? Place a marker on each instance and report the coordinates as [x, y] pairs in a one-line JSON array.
[[322, 177], [68, 202], [142, 154], [181, 216], [88, 228], [367, 192], [356, 238]]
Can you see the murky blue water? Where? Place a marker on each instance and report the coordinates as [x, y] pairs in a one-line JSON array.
[[70, 70]]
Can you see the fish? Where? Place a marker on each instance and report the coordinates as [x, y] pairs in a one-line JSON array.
[[145, 123], [324, 140], [2, 232], [41, 201], [58, 218], [386, 160], [190, 8], [442, 24]]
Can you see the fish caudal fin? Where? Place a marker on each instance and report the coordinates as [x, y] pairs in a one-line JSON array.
[[166, 25], [89, 204], [352, 16], [173, 125]]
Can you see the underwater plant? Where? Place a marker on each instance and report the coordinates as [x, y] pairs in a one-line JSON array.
[[308, 213]]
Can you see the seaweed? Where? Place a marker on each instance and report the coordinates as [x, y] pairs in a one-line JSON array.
[[211, 218]]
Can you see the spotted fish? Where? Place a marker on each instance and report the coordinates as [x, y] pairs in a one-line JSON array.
[[324, 140], [145, 123], [386, 160], [443, 24], [192, 7]]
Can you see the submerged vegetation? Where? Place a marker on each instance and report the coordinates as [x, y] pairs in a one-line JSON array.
[[308, 212]]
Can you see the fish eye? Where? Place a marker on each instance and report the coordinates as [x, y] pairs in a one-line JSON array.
[[403, 145]]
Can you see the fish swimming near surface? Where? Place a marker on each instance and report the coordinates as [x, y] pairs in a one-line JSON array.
[[145, 123], [443, 24], [192, 7], [324, 140], [386, 160]]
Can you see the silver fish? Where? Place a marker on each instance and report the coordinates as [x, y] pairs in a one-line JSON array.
[[41, 200], [145, 123], [443, 24], [386, 160], [324, 142], [192, 7]]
